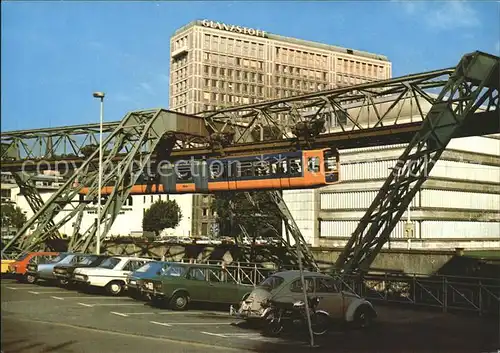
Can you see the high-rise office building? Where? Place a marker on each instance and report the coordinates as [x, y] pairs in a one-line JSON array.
[[215, 65]]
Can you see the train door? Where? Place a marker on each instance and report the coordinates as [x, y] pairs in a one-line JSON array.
[[200, 176], [168, 178], [331, 162]]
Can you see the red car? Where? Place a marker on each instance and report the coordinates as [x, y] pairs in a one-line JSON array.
[[19, 267]]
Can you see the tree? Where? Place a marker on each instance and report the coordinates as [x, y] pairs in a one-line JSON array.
[[161, 215], [12, 216], [264, 220]]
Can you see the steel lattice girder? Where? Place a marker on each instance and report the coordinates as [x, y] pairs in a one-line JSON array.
[[473, 86], [140, 134], [340, 109], [35, 201], [344, 109]]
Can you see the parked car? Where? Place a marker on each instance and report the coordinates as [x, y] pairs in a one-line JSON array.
[[45, 271], [6, 261], [111, 274], [64, 271], [185, 283], [19, 267], [286, 287], [149, 270]]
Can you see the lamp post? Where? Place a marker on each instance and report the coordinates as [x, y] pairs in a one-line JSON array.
[[99, 95]]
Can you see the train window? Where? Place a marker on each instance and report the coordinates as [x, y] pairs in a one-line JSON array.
[[282, 167], [216, 171], [313, 164], [330, 162], [183, 172], [262, 168], [245, 168], [295, 165]]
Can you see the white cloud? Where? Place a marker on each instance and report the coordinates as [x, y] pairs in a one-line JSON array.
[[451, 15], [441, 15]]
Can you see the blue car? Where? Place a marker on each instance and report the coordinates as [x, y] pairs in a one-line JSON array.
[[45, 271], [151, 269]]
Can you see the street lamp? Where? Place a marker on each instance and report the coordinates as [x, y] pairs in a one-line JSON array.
[[99, 95]]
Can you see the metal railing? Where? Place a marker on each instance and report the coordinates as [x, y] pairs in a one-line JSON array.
[[449, 293]]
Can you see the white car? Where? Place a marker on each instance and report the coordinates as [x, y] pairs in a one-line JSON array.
[[111, 274]]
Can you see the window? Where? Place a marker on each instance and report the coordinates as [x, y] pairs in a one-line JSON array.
[[325, 285], [313, 164], [330, 161], [196, 274], [271, 283], [110, 263], [295, 165], [296, 286], [175, 271]]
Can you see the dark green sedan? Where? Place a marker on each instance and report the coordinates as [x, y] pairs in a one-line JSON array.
[[182, 284]]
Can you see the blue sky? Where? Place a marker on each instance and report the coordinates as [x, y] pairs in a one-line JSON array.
[[55, 54]]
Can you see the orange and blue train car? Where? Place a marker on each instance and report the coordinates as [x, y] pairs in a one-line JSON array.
[[290, 170]]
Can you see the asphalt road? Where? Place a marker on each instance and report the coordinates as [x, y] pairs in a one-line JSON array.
[[42, 318]]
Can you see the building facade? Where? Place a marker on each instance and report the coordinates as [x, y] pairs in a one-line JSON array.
[[216, 65]]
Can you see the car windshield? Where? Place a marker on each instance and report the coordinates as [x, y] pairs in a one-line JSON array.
[[271, 283], [150, 267], [174, 271], [110, 263], [58, 258], [87, 260]]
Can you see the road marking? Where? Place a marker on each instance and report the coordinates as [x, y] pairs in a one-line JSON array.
[[214, 334], [33, 292], [193, 313], [173, 313], [159, 323], [243, 335], [43, 292], [56, 297], [89, 305], [30, 288], [192, 323], [120, 314], [127, 314]]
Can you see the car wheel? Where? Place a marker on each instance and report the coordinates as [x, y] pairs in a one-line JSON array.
[[320, 323], [179, 301], [30, 279], [363, 318], [63, 282], [114, 288], [272, 326]]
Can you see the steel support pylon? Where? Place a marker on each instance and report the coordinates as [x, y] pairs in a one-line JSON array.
[[35, 201], [138, 135], [473, 87], [301, 247]]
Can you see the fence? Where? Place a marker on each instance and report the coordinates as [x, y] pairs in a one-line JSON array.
[[449, 293]]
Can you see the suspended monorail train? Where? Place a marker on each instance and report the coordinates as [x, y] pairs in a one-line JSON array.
[[290, 170]]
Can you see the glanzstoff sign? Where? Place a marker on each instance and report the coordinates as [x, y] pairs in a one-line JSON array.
[[233, 28]]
